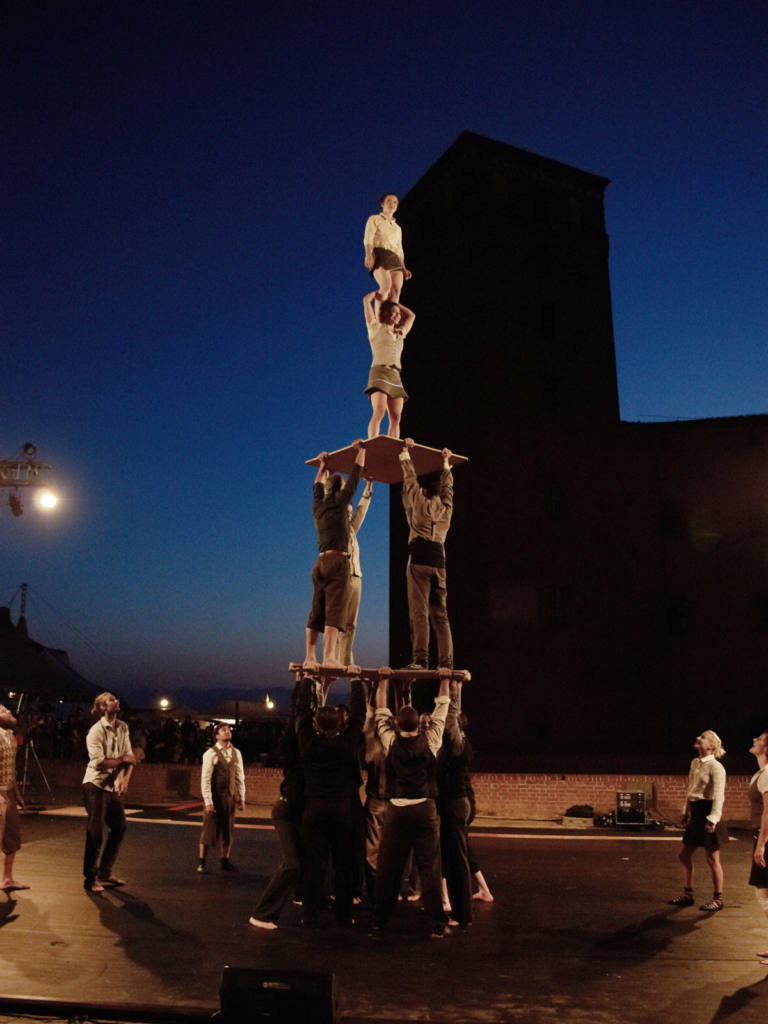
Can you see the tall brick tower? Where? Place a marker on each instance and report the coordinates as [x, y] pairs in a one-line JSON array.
[[512, 363]]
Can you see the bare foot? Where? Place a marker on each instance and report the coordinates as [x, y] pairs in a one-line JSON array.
[[332, 663], [310, 664], [9, 885], [486, 897], [269, 925]]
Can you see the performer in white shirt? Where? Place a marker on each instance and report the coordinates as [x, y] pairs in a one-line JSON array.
[[387, 323], [384, 257], [222, 784], [758, 801], [702, 818]]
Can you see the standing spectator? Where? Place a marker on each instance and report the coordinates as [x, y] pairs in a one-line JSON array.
[[10, 831], [702, 816], [110, 764], [758, 799], [222, 783]]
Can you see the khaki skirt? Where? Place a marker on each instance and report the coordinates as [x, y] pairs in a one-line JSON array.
[[386, 259], [386, 379]]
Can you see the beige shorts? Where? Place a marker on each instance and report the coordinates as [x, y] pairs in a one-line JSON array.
[[10, 825]]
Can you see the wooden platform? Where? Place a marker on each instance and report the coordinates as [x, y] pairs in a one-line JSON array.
[[382, 461], [457, 675]]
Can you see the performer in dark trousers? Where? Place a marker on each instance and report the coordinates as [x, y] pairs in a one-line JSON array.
[[412, 821], [286, 819], [428, 504], [105, 783], [329, 749], [454, 808]]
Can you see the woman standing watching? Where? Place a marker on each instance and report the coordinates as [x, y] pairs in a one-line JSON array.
[[703, 811], [758, 802], [383, 241]]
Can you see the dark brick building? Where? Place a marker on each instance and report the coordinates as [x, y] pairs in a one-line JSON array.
[[608, 581]]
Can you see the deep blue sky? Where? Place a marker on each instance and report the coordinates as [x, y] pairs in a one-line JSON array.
[[184, 191]]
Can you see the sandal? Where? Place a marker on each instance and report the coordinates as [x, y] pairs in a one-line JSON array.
[[682, 901], [714, 904]]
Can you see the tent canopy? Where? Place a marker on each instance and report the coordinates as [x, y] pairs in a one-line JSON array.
[[37, 671]]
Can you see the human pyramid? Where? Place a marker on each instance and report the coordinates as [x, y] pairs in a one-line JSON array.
[[418, 794]]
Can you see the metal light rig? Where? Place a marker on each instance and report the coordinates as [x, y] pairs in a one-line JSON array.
[[25, 470]]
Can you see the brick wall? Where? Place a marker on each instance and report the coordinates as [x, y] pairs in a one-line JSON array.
[[547, 796], [530, 796]]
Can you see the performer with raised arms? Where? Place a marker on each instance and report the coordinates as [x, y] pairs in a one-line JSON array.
[[330, 574], [428, 504], [388, 324]]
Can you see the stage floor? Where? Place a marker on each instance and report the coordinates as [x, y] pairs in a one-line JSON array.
[[580, 931]]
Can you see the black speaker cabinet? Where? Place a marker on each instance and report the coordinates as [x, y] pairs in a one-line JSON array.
[[251, 996]]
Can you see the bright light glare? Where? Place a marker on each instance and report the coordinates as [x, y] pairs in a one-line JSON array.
[[46, 499], [165, 703]]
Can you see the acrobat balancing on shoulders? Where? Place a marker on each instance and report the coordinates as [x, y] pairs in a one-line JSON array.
[[384, 258], [388, 324]]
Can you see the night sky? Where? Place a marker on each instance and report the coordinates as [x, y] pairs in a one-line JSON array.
[[185, 187]]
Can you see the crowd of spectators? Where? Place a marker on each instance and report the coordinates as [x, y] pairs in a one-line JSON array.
[[164, 739]]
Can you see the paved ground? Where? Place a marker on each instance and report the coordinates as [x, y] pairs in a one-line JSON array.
[[580, 931]]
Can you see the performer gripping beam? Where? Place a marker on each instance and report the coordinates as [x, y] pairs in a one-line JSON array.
[[330, 574]]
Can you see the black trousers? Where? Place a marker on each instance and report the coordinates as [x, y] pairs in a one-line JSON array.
[[411, 827], [327, 825], [103, 807], [282, 885], [375, 813], [454, 814]]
